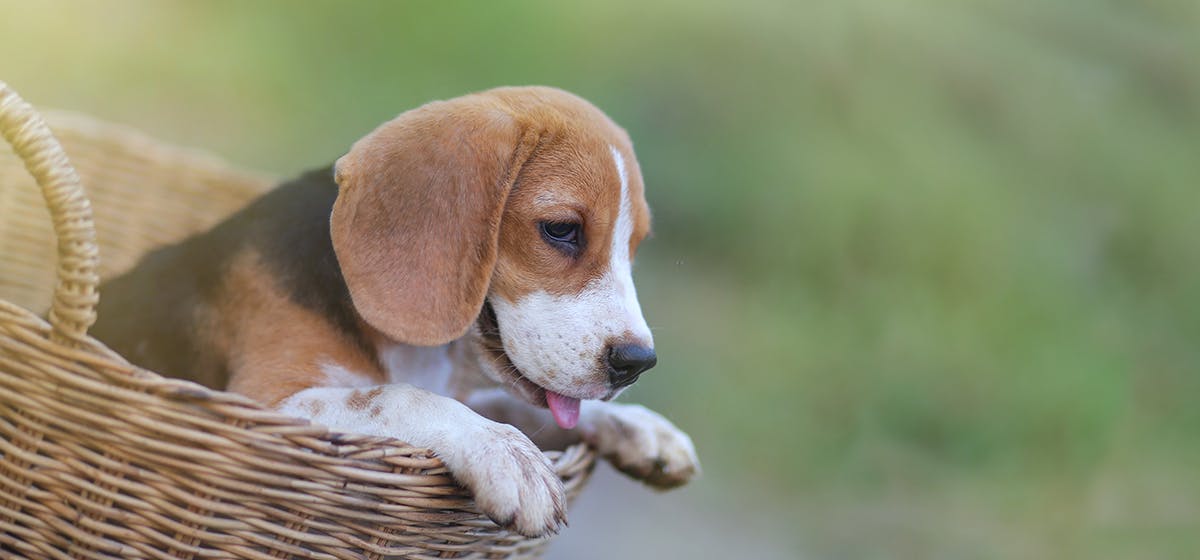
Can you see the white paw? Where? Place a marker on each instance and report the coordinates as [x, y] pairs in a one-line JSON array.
[[513, 482], [642, 444]]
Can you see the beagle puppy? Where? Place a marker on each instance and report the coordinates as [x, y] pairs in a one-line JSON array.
[[462, 272]]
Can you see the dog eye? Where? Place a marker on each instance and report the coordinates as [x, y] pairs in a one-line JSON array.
[[561, 232]]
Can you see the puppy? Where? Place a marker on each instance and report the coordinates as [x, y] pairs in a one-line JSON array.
[[464, 269]]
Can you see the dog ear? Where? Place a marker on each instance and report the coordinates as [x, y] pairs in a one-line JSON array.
[[416, 223]]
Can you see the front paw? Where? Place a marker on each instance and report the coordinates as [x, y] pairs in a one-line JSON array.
[[643, 444], [513, 482]]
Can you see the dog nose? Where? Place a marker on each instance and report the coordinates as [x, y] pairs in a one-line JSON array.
[[627, 361]]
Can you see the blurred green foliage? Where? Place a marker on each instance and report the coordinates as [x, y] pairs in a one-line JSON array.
[[926, 275]]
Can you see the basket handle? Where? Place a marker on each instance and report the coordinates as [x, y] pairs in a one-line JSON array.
[[75, 293]]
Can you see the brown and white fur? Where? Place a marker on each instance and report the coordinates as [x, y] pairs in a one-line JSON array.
[[413, 291]]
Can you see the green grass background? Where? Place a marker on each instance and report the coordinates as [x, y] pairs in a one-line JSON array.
[[926, 274]]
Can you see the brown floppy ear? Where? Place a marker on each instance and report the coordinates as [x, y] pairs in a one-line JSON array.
[[416, 223]]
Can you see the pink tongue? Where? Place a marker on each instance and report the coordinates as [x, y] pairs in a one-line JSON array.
[[565, 409]]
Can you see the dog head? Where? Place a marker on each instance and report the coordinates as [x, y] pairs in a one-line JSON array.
[[516, 211]]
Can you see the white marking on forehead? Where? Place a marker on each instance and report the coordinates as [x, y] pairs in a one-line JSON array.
[[624, 228], [620, 267]]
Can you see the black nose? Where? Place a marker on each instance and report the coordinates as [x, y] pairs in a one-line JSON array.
[[627, 361]]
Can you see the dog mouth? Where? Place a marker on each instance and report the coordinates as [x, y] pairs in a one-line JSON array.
[[564, 409]]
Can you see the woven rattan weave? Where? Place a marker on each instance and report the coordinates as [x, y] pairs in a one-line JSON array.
[[101, 459]]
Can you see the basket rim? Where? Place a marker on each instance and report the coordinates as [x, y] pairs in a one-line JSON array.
[[21, 327], [68, 122]]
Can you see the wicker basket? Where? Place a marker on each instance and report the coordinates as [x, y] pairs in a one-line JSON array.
[[101, 459]]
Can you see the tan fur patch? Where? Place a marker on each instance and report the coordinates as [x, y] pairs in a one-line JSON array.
[[316, 407], [358, 400], [275, 347], [418, 211]]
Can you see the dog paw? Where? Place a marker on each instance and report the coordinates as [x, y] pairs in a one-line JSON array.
[[643, 444], [513, 482]]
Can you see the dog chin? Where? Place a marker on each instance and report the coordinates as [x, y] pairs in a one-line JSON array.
[[499, 367], [496, 363]]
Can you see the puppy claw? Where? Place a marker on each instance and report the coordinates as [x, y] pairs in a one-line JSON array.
[[513, 482]]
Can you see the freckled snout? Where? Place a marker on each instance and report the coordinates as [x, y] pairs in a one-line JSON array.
[[627, 361]]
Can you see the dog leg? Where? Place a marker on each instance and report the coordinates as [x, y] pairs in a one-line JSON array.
[[640, 443], [513, 482]]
